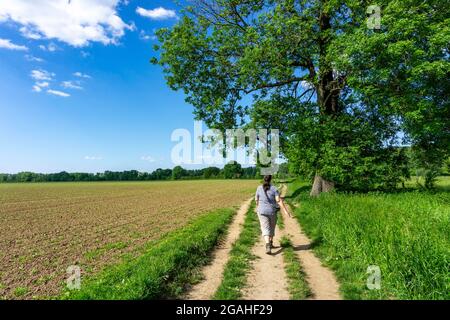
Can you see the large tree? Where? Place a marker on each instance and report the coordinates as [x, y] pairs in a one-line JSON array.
[[339, 90]]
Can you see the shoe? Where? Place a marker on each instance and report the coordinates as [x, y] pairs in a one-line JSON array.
[[268, 248], [271, 244]]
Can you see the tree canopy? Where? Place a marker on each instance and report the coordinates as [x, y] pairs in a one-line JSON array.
[[232, 170], [345, 95]]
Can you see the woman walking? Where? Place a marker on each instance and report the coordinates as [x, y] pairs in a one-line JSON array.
[[268, 204]]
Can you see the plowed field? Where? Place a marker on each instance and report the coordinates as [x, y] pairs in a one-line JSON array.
[[45, 228]]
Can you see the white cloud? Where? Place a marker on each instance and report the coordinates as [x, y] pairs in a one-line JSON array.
[[36, 88], [82, 75], [144, 36], [148, 159], [29, 33], [93, 158], [58, 93], [75, 22], [33, 58], [51, 47], [156, 14], [7, 44], [41, 75], [43, 84], [71, 85], [132, 26]]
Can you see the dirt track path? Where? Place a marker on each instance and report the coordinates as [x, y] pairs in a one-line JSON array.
[[267, 279], [212, 273], [321, 280]]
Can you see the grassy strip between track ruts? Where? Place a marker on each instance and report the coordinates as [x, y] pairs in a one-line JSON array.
[[239, 263], [165, 267], [297, 286], [406, 234]]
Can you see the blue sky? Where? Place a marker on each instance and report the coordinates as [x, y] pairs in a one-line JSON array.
[[77, 90]]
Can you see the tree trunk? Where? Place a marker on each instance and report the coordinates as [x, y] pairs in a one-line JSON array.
[[321, 185], [327, 93]]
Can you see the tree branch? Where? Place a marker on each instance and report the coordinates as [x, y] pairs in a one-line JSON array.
[[275, 84]]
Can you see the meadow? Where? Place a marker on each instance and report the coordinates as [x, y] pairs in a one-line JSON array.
[[47, 227], [406, 234]]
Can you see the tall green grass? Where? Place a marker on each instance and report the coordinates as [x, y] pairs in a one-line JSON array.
[[406, 234], [164, 268]]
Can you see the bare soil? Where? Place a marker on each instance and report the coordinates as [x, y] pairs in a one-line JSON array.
[[267, 279]]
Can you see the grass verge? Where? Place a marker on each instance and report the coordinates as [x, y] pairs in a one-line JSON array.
[[239, 263], [164, 268], [297, 286], [405, 234]]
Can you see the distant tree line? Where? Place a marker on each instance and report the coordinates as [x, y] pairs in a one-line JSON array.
[[232, 170]]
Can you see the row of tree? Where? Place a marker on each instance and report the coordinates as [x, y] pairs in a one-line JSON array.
[[232, 170]]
